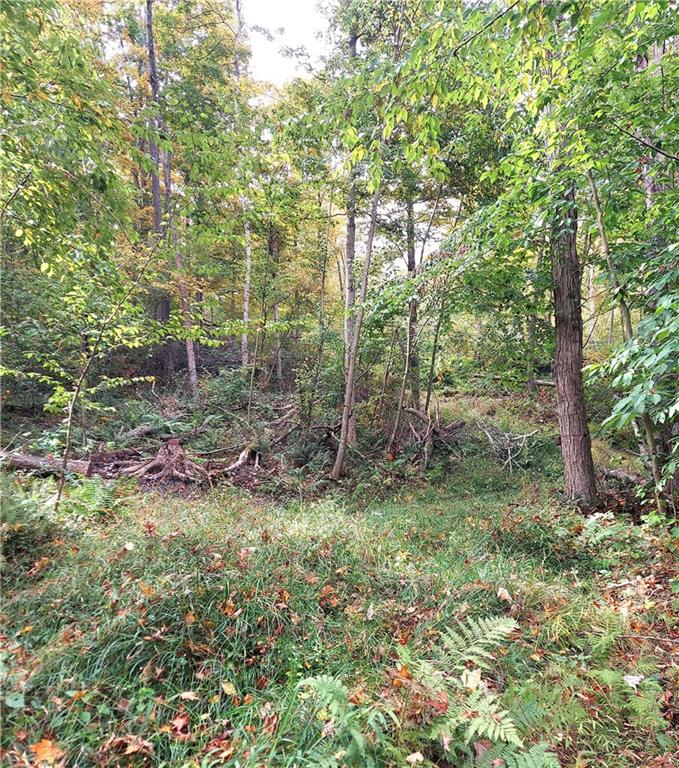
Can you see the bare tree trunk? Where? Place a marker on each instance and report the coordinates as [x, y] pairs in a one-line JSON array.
[[591, 302], [186, 316], [352, 357], [576, 449], [628, 333], [153, 147], [244, 346], [434, 352], [349, 277], [274, 247], [413, 362]]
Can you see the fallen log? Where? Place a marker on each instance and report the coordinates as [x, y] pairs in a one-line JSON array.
[[624, 477], [45, 464]]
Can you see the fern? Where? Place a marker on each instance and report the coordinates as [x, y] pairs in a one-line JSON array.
[[474, 712], [474, 640], [538, 756], [330, 693]]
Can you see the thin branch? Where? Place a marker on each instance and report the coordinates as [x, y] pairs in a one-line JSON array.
[[486, 26], [646, 143]]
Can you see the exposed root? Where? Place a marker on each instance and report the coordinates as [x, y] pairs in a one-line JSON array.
[[170, 464]]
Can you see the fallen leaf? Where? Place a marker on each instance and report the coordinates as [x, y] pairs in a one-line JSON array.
[[180, 726], [46, 751], [481, 747], [189, 696], [503, 594], [228, 688], [471, 678], [415, 757], [633, 680]]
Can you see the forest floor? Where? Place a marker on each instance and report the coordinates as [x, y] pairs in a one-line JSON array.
[[173, 630]]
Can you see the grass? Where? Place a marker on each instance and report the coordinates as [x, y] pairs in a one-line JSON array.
[[175, 631]]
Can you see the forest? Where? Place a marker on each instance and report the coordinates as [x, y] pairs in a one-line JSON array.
[[340, 414]]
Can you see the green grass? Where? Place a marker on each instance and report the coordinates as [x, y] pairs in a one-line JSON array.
[[179, 628]]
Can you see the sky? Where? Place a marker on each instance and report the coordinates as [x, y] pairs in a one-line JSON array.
[[300, 21]]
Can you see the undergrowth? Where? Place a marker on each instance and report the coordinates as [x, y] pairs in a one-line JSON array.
[[221, 630]]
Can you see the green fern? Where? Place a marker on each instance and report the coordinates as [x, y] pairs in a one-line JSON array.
[[482, 717], [538, 756], [329, 692], [475, 712], [474, 640]]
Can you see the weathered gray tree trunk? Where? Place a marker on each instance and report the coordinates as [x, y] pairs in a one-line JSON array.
[[576, 449]]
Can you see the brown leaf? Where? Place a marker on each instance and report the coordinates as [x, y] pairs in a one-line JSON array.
[[180, 726], [46, 751]]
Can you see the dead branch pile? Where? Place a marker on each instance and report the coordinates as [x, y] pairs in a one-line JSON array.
[[429, 431], [506, 446], [170, 464]]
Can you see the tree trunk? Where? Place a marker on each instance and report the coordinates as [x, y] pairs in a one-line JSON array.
[[413, 363], [244, 346], [576, 449], [43, 464], [153, 147], [186, 316], [274, 252], [434, 352], [591, 302], [349, 278], [352, 357]]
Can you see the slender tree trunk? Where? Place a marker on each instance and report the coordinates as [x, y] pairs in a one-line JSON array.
[[413, 362], [324, 252], [352, 357], [591, 301], [244, 342], [434, 352], [650, 441], [244, 345], [186, 318], [153, 147], [576, 449], [349, 277], [274, 247]]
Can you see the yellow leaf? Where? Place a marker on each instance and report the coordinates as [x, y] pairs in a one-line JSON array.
[[228, 688]]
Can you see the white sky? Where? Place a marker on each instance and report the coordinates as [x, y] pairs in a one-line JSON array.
[[300, 20]]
